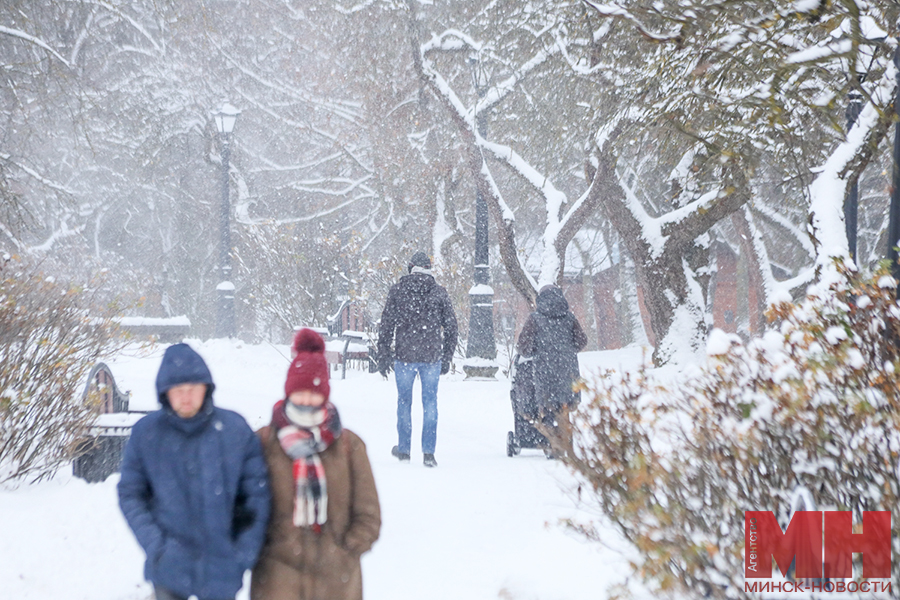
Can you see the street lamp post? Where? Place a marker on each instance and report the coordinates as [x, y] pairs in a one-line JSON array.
[[225, 118], [851, 204], [894, 215], [481, 350]]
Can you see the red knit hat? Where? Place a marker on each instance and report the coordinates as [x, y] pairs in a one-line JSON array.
[[308, 370]]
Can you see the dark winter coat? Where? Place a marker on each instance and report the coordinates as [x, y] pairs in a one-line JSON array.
[[195, 491], [419, 315], [552, 337], [299, 564]]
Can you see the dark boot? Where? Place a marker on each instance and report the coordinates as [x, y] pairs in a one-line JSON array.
[[429, 461], [403, 457]]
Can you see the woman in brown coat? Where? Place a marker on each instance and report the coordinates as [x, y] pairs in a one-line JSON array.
[[325, 511]]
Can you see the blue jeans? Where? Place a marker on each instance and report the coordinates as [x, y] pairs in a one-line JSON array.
[[405, 375]]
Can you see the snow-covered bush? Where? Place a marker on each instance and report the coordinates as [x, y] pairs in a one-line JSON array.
[[674, 463], [49, 337]]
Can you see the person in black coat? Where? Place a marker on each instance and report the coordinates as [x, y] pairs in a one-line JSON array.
[[419, 322], [194, 487], [552, 338]]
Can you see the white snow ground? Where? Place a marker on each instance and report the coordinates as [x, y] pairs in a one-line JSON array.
[[480, 526]]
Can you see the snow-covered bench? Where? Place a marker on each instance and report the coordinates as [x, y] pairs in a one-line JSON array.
[[164, 329], [351, 347], [100, 455]]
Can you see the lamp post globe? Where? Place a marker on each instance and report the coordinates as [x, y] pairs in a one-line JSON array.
[[225, 118]]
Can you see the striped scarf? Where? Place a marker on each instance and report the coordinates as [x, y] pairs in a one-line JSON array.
[[303, 435]]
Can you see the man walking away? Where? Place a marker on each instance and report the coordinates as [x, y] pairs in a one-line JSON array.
[[418, 320], [194, 487]]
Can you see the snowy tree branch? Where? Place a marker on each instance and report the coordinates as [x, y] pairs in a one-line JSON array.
[[842, 167], [34, 40], [131, 21], [614, 10]]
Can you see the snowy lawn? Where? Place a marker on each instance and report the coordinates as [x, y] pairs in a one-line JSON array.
[[479, 526]]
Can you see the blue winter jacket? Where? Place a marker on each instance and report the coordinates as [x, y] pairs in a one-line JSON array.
[[195, 491]]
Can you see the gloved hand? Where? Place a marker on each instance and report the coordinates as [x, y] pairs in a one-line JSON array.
[[445, 367], [384, 369]]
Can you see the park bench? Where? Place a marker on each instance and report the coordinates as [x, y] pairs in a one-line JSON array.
[[346, 342], [351, 348], [100, 455], [163, 329]]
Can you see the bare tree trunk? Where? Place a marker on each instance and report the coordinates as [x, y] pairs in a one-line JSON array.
[[587, 294], [757, 297], [667, 267], [637, 333]]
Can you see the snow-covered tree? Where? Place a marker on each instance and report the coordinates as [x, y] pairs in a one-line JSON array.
[[666, 125], [689, 112]]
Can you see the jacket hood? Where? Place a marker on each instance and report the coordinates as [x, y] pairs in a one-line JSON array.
[[418, 283], [552, 303], [181, 364]]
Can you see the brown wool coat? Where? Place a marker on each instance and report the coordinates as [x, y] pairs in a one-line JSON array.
[[300, 564]]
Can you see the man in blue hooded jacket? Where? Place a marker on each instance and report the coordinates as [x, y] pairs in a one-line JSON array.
[[194, 486]]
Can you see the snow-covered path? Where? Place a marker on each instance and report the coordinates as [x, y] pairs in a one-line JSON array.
[[481, 525]]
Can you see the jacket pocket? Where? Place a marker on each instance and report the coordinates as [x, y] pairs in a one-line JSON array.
[[174, 566], [226, 569], [339, 565]]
